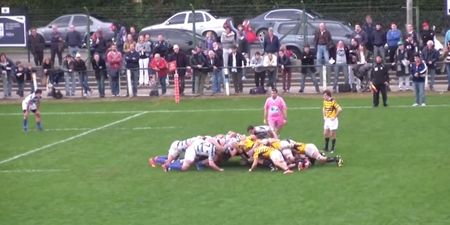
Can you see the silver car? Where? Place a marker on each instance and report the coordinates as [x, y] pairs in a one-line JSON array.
[[79, 21], [291, 33]]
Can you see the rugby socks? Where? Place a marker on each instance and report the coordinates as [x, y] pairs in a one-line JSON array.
[[333, 143], [160, 159], [25, 124], [39, 126], [176, 165], [326, 143]]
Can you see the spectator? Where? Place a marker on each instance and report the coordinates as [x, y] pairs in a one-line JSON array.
[[341, 59], [20, 72], [79, 66], [447, 38], [308, 68], [379, 41], [447, 64], [144, 49], [56, 45], [323, 42], [401, 64], [114, 59], [393, 36], [47, 66], [353, 59], [260, 73], [380, 80], [369, 29], [430, 55], [159, 65], [69, 75], [270, 63], [132, 66], [426, 34], [162, 47], [360, 35], [418, 72], [199, 67], [363, 66], [134, 34], [284, 63], [236, 61], [99, 67], [127, 45], [271, 43], [36, 44], [121, 38], [99, 44], [182, 63], [410, 32], [209, 40], [7, 68], [215, 64], [243, 45], [73, 40], [228, 40]]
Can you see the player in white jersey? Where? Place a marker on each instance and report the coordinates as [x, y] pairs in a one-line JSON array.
[[262, 131], [176, 149], [32, 103]]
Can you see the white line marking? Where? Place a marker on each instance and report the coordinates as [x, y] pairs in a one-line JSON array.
[[70, 138], [118, 128], [217, 110], [34, 171]]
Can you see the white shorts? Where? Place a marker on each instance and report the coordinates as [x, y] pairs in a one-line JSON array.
[[312, 151], [276, 156], [287, 153], [190, 154], [32, 106], [174, 151], [330, 124]]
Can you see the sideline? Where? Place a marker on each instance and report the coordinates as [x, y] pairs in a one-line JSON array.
[[70, 138], [219, 110]]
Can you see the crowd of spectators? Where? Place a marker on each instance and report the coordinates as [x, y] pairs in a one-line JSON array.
[[224, 59]]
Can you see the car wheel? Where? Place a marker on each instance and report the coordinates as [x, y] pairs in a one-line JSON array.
[[261, 34]]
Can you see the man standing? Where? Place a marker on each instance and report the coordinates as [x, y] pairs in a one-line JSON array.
[[161, 47], [182, 63], [426, 34], [322, 40], [430, 55], [132, 65], [393, 36], [32, 103], [57, 45], [73, 40], [198, 64], [79, 66], [360, 36], [369, 28], [99, 67], [235, 62], [331, 111], [114, 59], [271, 43], [36, 44], [215, 65], [380, 81], [7, 68], [275, 112], [379, 41], [418, 71], [308, 69], [159, 65]]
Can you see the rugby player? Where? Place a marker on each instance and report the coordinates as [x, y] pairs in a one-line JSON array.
[[262, 131], [311, 151], [331, 111], [268, 153], [275, 112], [32, 103]]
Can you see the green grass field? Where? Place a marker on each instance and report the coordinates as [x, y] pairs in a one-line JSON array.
[[90, 165]]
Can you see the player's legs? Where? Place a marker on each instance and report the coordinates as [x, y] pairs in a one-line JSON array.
[[288, 156], [277, 159], [173, 153], [25, 120], [37, 115]]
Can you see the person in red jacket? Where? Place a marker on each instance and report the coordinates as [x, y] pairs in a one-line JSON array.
[[114, 60], [159, 65]]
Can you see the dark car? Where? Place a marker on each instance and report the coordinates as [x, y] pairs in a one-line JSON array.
[[261, 23], [79, 21], [183, 38], [291, 33]]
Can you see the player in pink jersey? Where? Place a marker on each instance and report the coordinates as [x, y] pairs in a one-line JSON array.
[[275, 112]]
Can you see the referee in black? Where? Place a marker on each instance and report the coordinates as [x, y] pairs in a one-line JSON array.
[[380, 81]]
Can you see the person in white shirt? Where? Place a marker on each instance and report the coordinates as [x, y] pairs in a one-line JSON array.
[[32, 103], [270, 63]]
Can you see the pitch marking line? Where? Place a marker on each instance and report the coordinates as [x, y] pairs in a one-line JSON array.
[[217, 110], [118, 128], [34, 171], [71, 138]]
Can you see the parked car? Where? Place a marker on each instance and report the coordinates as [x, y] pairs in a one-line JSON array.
[[80, 23], [204, 22], [261, 23], [291, 33], [183, 38]]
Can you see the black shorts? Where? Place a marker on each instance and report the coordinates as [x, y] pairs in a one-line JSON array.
[[33, 111]]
